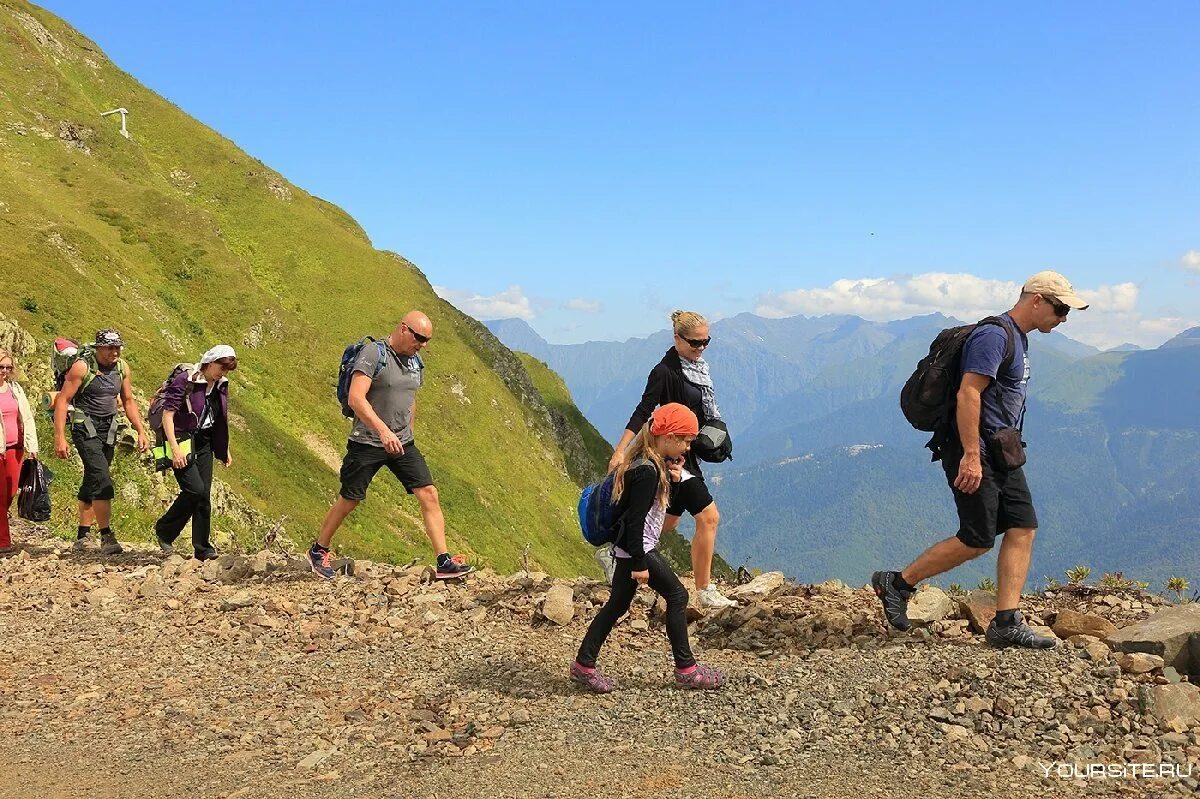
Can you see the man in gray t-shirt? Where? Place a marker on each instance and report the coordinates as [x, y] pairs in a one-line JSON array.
[[383, 395]]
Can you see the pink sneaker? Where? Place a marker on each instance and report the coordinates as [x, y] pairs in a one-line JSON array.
[[701, 677], [593, 680]]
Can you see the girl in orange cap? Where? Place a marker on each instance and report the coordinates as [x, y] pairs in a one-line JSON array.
[[641, 489]]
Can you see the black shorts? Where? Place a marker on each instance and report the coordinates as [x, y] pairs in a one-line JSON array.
[[97, 456], [691, 496], [1002, 502], [363, 460]]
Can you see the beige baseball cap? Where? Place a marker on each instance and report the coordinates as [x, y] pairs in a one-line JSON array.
[[1055, 285]]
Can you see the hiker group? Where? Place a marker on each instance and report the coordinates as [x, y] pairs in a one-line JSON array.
[[969, 393]]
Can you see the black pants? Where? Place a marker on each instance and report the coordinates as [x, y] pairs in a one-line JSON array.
[[667, 585], [193, 502], [97, 455]]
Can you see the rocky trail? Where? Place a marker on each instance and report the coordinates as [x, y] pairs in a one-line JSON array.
[[146, 676]]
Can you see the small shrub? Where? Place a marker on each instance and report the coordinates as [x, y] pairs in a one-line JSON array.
[[1078, 575], [955, 588], [987, 584], [29, 304], [1178, 586], [1115, 580]]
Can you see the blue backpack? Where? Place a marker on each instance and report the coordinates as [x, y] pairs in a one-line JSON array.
[[596, 509], [346, 370]]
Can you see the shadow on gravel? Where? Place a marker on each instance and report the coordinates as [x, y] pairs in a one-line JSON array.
[[524, 678]]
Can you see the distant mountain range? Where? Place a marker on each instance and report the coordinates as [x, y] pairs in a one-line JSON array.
[[829, 480]]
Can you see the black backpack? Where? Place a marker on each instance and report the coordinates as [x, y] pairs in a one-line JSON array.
[[928, 398]]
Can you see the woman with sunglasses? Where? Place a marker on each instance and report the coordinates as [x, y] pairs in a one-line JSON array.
[[18, 439], [196, 413], [683, 376]]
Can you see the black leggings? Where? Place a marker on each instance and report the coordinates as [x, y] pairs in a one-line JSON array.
[[667, 585], [193, 502]]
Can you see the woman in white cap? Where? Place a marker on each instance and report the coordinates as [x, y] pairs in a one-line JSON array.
[[195, 425]]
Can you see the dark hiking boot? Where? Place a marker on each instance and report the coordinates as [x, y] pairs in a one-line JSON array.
[[894, 600], [1018, 634]]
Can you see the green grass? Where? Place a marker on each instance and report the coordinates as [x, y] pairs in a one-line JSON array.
[[176, 239]]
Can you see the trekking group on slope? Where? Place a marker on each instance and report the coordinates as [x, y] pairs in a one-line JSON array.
[[969, 392]]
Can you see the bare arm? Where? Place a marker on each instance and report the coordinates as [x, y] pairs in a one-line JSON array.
[[619, 450], [132, 412], [357, 400], [970, 469]]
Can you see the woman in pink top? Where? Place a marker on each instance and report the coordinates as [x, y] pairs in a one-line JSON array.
[[18, 439]]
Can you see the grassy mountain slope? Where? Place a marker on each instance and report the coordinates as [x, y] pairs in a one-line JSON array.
[[180, 240]]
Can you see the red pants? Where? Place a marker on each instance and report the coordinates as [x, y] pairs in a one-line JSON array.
[[10, 473]]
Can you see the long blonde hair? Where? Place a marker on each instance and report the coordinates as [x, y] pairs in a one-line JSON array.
[[642, 446], [683, 321]]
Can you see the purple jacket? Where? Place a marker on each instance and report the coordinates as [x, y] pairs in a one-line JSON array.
[[191, 385]]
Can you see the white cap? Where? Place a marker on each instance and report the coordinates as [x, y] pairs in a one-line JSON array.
[[217, 353], [1056, 286]]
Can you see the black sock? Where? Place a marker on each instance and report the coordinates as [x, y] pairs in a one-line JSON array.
[[316, 547], [1006, 618], [443, 559], [902, 584], [105, 531], [84, 529]]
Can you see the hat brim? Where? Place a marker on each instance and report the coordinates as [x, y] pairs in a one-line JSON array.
[[1073, 300]]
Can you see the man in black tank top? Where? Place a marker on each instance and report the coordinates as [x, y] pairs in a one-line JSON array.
[[95, 385]]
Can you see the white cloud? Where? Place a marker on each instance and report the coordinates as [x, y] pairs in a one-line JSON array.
[[1191, 260], [507, 304], [1113, 319], [587, 306]]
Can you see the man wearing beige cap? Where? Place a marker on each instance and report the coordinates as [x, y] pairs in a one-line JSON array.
[[983, 455]]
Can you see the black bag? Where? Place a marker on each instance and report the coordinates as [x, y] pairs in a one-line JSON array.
[[1006, 449], [928, 396], [713, 444], [33, 500]]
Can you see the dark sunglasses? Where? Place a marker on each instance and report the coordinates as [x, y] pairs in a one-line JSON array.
[[6, 368], [1059, 308], [698, 343], [418, 336]]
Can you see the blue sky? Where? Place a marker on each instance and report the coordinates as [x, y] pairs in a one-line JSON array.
[[592, 167]]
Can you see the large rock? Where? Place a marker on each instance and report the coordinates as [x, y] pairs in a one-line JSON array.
[[1179, 703], [979, 608], [1138, 662], [760, 587], [929, 604], [559, 605], [1173, 634], [1069, 622]]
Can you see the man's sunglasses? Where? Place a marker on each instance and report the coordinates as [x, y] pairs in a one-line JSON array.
[[1059, 308], [418, 336], [698, 343]]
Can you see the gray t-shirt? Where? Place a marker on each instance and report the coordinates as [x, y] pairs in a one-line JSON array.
[[391, 394], [99, 399]]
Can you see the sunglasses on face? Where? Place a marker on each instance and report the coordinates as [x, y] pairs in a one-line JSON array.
[[698, 343], [6, 367], [1059, 308], [418, 336]]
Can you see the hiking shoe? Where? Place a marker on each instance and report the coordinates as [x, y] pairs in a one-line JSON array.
[[109, 545], [80, 544], [594, 680], [1018, 634], [166, 546], [456, 566], [320, 561], [710, 597], [895, 601], [608, 562], [701, 678], [206, 554]]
